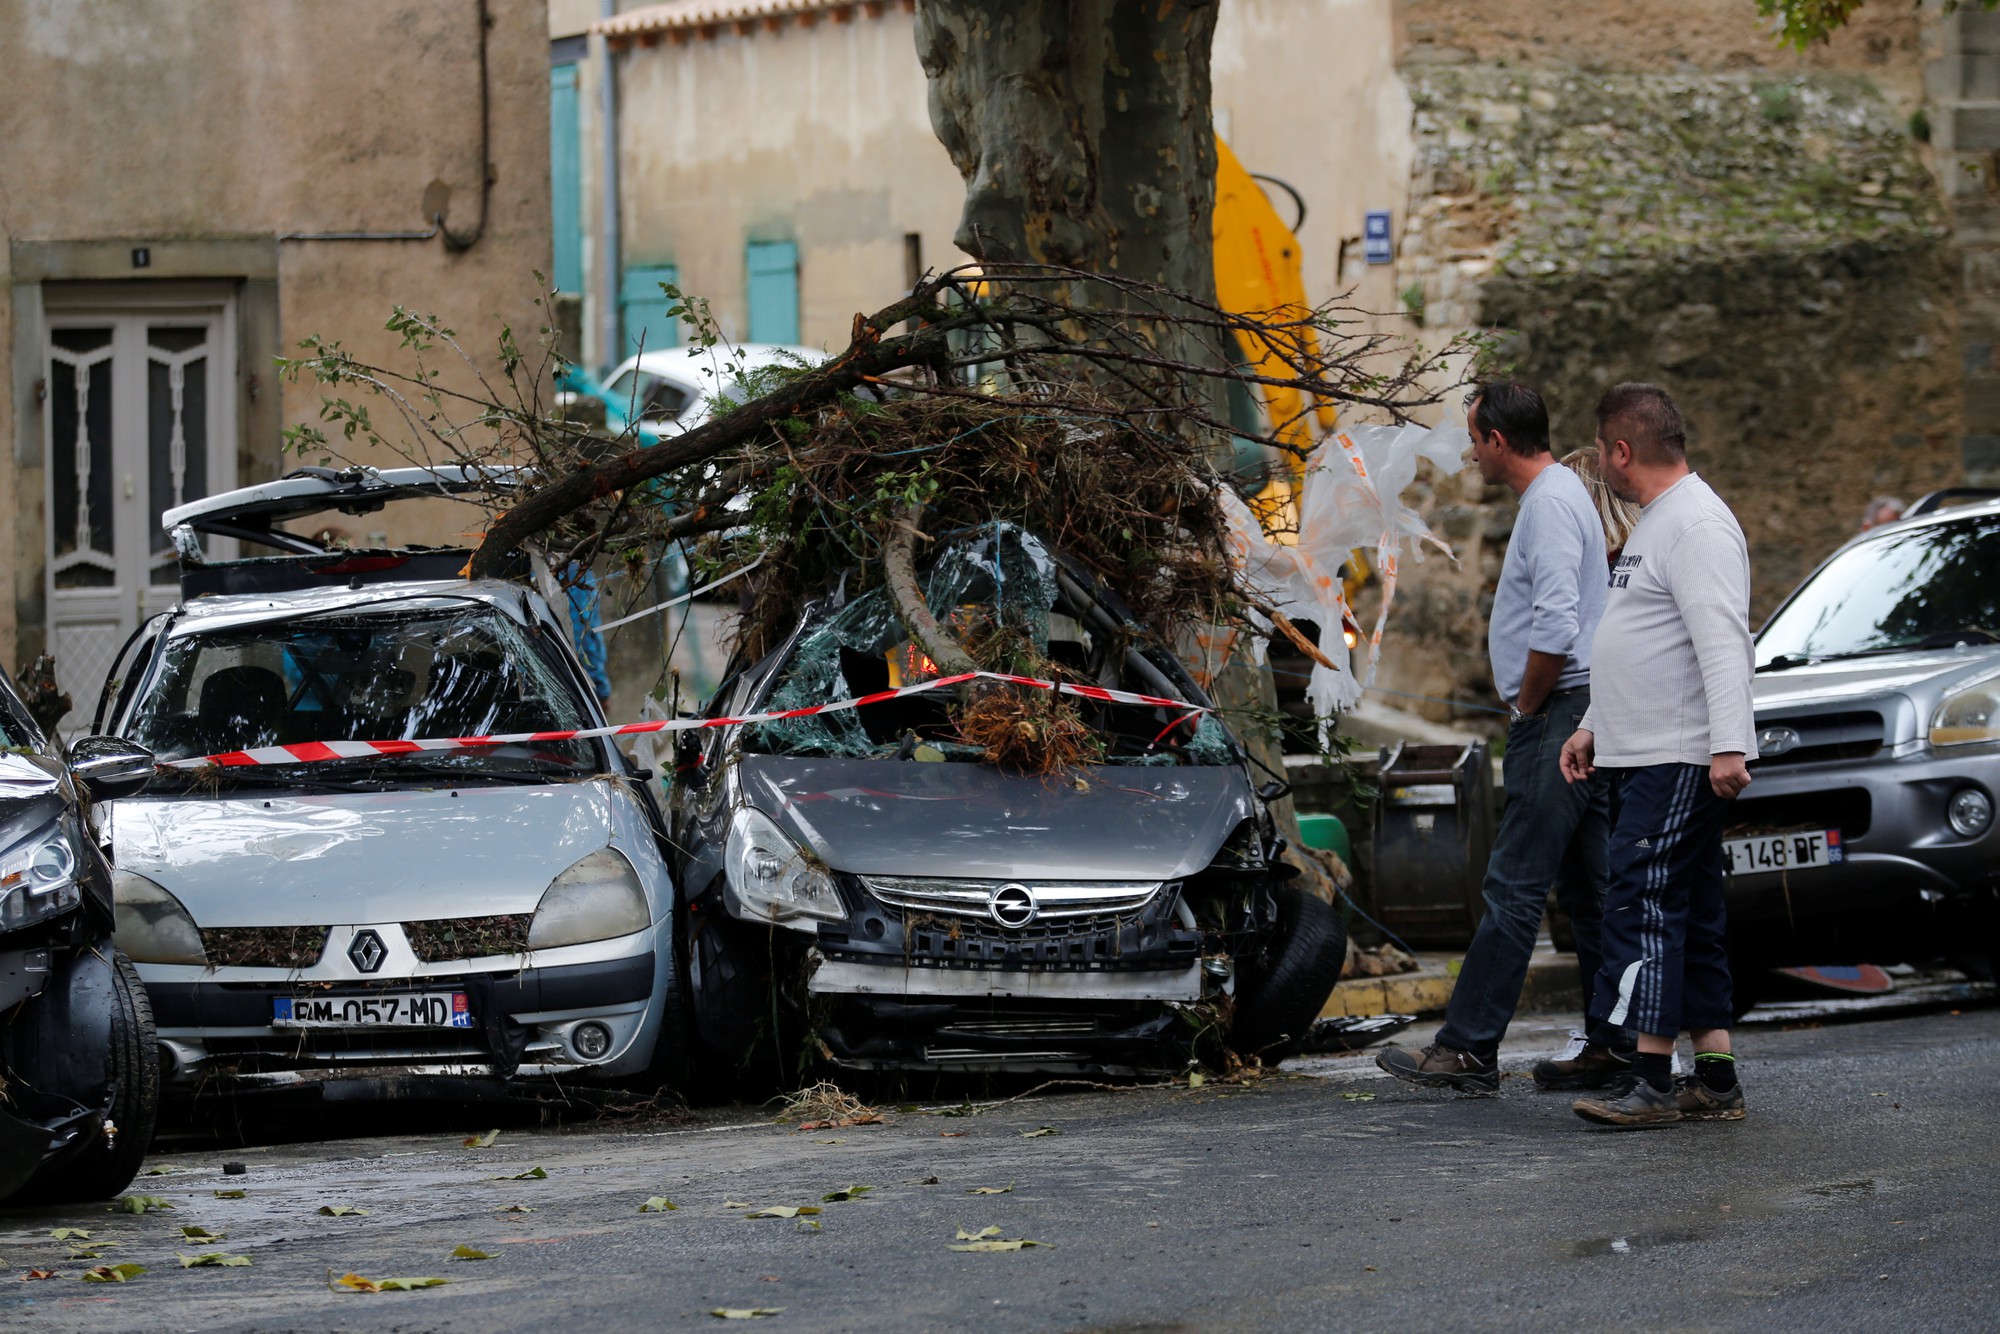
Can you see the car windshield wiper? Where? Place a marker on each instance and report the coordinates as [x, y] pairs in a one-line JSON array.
[[1943, 639], [401, 768]]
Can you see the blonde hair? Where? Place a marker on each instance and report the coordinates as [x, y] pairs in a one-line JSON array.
[[1618, 516]]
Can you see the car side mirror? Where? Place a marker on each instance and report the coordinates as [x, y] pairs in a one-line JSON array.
[[687, 755], [1273, 791], [110, 766]]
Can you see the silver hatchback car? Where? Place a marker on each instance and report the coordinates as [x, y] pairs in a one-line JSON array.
[[423, 920]]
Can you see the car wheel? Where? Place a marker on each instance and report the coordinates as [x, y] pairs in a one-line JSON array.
[[106, 1167], [1276, 1010]]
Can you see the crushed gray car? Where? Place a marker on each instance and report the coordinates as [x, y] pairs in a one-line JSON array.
[[866, 889], [1868, 831]]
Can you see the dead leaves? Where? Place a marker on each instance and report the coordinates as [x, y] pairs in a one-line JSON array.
[[827, 1106], [124, 1273], [69, 1234], [785, 1211], [196, 1232], [532, 1174], [213, 1259], [484, 1141], [1039, 1132], [1007, 1189], [463, 1252], [342, 1211], [518, 1209], [356, 1283], [744, 1312], [230, 1194], [845, 1194], [988, 1239], [34, 1274], [659, 1204], [139, 1204]]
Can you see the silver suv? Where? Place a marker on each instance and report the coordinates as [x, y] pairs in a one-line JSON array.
[[1868, 833]]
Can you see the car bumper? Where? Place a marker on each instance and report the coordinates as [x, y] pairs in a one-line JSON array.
[[525, 1025], [1899, 854]]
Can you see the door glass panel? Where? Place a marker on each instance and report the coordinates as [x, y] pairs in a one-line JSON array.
[[80, 457], [177, 337], [176, 432]]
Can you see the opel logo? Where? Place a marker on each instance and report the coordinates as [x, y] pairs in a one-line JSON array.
[[367, 951], [1777, 740], [1013, 906]]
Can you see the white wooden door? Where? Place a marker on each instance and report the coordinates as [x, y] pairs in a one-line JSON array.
[[140, 419]]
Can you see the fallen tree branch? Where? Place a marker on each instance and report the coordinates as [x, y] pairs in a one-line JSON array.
[[900, 573]]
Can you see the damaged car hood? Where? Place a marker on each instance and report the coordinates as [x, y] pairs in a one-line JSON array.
[[888, 817], [314, 859]]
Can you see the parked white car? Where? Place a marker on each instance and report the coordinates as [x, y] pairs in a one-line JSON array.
[[676, 389], [471, 916]]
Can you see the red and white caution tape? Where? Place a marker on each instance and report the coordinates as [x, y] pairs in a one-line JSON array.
[[311, 751]]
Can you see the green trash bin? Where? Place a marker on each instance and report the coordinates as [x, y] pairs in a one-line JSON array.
[[1326, 832]]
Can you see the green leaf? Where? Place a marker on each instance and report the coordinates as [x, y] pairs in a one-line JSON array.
[[69, 1234], [113, 1273], [980, 1235], [744, 1312], [342, 1211], [139, 1204], [532, 1174], [850, 1193], [484, 1141], [1007, 1189], [409, 1284], [659, 1204], [518, 1209], [468, 1253], [784, 1211], [196, 1232], [214, 1259], [230, 1194], [1037, 1134], [159, 1171]]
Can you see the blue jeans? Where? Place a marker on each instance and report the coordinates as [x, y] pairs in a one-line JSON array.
[[1552, 833]]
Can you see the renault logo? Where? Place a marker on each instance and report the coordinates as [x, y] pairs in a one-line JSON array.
[[1013, 906], [367, 951], [1777, 740]]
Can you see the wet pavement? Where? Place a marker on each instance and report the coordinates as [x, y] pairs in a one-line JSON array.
[[1860, 1190]]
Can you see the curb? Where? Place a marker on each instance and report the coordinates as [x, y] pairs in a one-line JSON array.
[[1551, 984]]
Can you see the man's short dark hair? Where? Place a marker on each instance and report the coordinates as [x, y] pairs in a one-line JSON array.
[[1644, 417], [1515, 411]]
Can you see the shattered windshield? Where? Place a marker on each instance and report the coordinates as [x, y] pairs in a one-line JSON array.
[[457, 672], [1929, 587], [998, 593]]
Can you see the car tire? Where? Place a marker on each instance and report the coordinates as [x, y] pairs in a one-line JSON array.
[[1308, 948], [102, 1169]]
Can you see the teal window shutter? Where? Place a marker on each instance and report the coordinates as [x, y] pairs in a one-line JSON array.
[[565, 179], [772, 269], [643, 307]]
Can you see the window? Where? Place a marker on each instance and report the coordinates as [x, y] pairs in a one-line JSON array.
[[772, 277], [644, 307], [565, 180]]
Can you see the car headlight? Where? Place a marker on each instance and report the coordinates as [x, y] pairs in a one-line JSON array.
[[152, 926], [599, 898], [772, 879], [38, 879], [1968, 714]]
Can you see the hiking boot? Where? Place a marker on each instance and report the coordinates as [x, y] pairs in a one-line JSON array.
[[1442, 1067], [1699, 1102], [1638, 1107], [1595, 1067]]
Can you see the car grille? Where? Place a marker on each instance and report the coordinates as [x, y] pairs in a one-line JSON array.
[[449, 938], [1824, 737], [1847, 809], [974, 898], [263, 946]]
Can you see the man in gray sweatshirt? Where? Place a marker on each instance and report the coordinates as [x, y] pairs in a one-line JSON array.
[[1545, 611], [1671, 720]]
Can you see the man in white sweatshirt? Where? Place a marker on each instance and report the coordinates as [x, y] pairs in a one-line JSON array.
[[1672, 722]]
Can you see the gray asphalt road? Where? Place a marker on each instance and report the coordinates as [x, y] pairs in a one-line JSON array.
[[1860, 1192]]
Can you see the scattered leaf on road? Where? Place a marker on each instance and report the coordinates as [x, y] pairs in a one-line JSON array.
[[342, 1211], [921, 1181], [519, 1209], [484, 1141], [359, 1284], [532, 1174], [840, 1196], [1020, 1244], [737, 1204], [1007, 1189], [37, 1273], [784, 1211], [980, 1235], [951, 1134], [1037, 1134], [214, 1258], [1196, 1079], [744, 1312], [113, 1273], [1359, 1097], [196, 1232], [468, 1253], [139, 1204], [843, 1122], [159, 1171], [69, 1234], [659, 1204], [230, 1194]]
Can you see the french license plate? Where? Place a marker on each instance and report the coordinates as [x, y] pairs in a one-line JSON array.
[[434, 1009], [1782, 852]]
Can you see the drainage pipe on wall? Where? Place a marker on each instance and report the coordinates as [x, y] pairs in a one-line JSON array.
[[608, 262]]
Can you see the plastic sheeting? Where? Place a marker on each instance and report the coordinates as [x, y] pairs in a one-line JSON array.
[[1352, 496]]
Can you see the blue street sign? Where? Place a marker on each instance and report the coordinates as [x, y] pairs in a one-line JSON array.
[[1376, 247]]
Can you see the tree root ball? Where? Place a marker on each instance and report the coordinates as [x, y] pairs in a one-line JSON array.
[[1029, 731]]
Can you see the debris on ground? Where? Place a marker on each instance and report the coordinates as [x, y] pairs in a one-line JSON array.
[[827, 1106], [1384, 960]]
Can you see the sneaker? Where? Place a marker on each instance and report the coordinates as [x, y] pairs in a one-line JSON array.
[[1638, 1107], [1699, 1102], [1594, 1067], [1442, 1067]]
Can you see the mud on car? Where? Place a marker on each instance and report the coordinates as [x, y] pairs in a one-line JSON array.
[[865, 887], [457, 920]]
